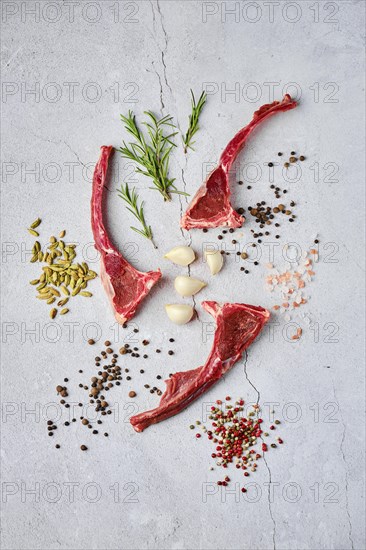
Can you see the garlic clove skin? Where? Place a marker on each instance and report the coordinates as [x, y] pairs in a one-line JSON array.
[[187, 286], [214, 260], [181, 255], [180, 314]]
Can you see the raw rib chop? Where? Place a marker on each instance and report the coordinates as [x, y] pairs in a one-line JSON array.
[[237, 325], [125, 286], [211, 206]]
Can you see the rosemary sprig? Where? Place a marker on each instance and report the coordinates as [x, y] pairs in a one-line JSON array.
[[131, 198], [152, 154], [193, 120]]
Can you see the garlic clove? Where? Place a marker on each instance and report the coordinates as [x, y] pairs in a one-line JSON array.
[[187, 286], [181, 255], [180, 314], [214, 260]]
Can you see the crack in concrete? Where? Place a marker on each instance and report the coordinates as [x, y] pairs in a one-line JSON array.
[[181, 214], [161, 87], [269, 502], [74, 152], [185, 234], [195, 305], [341, 449], [264, 458], [164, 51], [13, 55], [55, 142], [250, 382], [153, 14], [351, 257]]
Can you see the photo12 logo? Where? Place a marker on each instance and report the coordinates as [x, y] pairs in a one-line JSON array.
[[254, 172], [270, 12], [37, 413], [52, 332], [274, 491], [289, 412], [69, 491], [70, 11], [252, 92], [68, 92]]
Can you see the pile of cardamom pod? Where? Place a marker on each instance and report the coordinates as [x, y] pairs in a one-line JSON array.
[[60, 279]]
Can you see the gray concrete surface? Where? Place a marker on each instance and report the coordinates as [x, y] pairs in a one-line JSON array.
[[68, 70]]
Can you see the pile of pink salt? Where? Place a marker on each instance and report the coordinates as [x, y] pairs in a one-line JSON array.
[[291, 284]]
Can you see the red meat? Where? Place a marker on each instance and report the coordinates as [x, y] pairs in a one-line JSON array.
[[237, 325], [125, 286], [211, 206]]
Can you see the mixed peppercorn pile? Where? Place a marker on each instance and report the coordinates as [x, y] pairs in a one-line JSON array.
[[265, 216], [109, 374], [237, 436]]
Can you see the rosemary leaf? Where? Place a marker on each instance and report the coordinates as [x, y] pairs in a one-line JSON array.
[[193, 120], [152, 153], [131, 198]]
